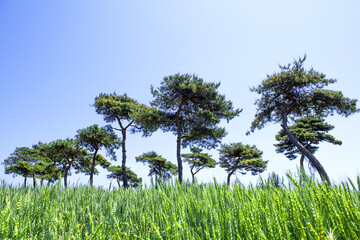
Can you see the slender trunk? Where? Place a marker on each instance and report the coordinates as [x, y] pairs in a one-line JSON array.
[[65, 178], [34, 180], [25, 180], [93, 168], [67, 169], [123, 164], [192, 174], [178, 143], [42, 182], [178, 157], [302, 162], [118, 182], [229, 175], [320, 169]]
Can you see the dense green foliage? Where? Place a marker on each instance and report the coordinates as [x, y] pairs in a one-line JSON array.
[[159, 166], [239, 157], [192, 111], [130, 115], [198, 161], [94, 138], [308, 211], [65, 155], [116, 173], [21, 162], [309, 131], [293, 93]]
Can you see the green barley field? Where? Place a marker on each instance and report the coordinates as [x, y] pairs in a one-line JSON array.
[[298, 210]]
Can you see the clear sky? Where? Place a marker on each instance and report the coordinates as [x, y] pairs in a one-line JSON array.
[[57, 56]]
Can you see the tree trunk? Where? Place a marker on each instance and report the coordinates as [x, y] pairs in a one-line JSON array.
[[123, 165], [178, 143], [178, 156], [192, 174], [118, 182], [25, 181], [229, 175], [65, 178], [34, 180], [320, 169], [228, 178], [67, 169], [302, 162], [93, 168]]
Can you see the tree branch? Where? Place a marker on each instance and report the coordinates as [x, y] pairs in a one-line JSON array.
[[129, 124]]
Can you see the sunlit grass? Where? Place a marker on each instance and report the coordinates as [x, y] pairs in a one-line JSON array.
[[301, 210]]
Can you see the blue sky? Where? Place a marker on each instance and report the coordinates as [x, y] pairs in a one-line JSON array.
[[57, 56]]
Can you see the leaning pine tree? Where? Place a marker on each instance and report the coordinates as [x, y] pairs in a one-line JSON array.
[[192, 109], [294, 92], [309, 131]]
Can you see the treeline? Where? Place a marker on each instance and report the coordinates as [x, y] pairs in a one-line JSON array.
[[192, 109]]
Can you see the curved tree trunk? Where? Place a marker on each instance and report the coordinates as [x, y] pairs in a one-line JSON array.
[[229, 175], [228, 178], [320, 169], [93, 168], [192, 174], [123, 164]]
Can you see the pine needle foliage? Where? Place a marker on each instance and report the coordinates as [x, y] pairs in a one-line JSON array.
[[192, 110], [240, 157], [198, 161], [159, 166], [295, 92], [309, 131], [116, 173], [130, 115]]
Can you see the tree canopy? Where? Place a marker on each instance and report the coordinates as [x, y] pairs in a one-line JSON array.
[[239, 157], [129, 114], [21, 162], [159, 166], [198, 161], [65, 154], [309, 131], [116, 173], [295, 92], [192, 111], [94, 138]]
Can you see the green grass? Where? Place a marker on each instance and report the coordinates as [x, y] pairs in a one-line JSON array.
[[307, 211]]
